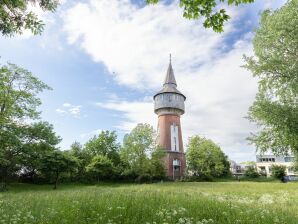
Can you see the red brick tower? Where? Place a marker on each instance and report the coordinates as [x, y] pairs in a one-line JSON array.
[[169, 106]]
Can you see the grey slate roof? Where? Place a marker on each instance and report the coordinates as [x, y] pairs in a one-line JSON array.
[[169, 85], [170, 78]]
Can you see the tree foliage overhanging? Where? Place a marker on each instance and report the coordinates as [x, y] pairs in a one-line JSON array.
[[15, 15], [214, 17], [275, 109]]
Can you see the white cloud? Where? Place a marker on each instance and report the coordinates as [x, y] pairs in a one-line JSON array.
[[75, 110], [66, 105], [132, 113], [134, 43], [67, 108], [60, 111]]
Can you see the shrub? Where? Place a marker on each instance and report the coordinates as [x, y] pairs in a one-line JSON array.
[[278, 171], [144, 178], [251, 172], [101, 167]]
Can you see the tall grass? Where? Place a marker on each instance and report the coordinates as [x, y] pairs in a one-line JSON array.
[[226, 202]]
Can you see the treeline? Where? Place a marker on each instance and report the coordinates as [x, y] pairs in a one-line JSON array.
[[102, 158]]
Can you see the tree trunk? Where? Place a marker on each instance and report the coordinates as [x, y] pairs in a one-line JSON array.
[[3, 186], [32, 174], [56, 180]]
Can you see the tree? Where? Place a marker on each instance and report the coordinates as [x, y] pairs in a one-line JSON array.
[[140, 155], [251, 172], [38, 140], [104, 144], [157, 168], [278, 171], [15, 16], [205, 159], [57, 162], [275, 109], [101, 167], [18, 103], [194, 9], [83, 158], [18, 94], [76, 149]]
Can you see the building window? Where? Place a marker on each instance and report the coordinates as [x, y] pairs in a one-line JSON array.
[[176, 162], [288, 159], [262, 170], [175, 144], [267, 160], [290, 169], [174, 138]]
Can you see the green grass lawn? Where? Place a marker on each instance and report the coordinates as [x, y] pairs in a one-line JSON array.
[[214, 202]]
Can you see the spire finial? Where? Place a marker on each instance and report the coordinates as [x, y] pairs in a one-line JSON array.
[[170, 58]]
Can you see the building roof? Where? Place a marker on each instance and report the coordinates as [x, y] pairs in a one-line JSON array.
[[170, 78], [170, 85]]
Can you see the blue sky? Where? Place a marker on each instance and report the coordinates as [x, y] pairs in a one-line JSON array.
[[105, 59]]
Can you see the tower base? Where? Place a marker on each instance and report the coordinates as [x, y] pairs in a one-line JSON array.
[[175, 164]]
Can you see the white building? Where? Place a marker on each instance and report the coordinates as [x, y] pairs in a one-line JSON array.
[[236, 169], [264, 163]]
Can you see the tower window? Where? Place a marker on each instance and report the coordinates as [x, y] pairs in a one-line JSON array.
[[174, 138], [175, 144], [176, 162]]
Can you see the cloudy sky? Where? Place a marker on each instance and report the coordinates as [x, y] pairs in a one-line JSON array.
[[105, 59]]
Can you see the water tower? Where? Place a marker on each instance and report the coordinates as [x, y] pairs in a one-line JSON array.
[[169, 106]]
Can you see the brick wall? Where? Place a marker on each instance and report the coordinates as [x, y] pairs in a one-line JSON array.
[[164, 140]]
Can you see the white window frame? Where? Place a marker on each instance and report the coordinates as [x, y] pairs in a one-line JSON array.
[[174, 138]]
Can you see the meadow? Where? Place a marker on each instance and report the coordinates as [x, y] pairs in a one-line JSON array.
[[164, 203]]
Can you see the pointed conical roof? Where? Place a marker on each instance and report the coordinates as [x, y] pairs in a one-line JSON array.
[[170, 85], [170, 78]]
